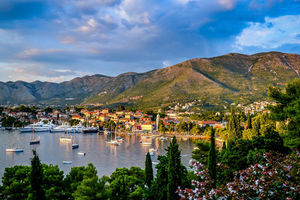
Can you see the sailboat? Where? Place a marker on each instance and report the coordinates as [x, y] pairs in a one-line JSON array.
[[74, 144], [33, 139], [113, 142], [146, 140], [65, 138]]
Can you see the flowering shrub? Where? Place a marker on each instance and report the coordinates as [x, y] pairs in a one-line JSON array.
[[277, 177]]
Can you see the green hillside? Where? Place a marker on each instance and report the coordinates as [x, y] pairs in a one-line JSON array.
[[215, 81]]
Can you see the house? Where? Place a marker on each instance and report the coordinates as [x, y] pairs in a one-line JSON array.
[[209, 123], [103, 118], [147, 127]]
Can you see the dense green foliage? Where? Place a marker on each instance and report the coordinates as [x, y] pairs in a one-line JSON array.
[[234, 126], [74, 122], [200, 153], [287, 109], [11, 122]]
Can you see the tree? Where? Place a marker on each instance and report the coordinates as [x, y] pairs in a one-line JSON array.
[[224, 146], [53, 182], [212, 161], [15, 183], [148, 171], [48, 110], [287, 109], [200, 153], [159, 186], [124, 182], [73, 180], [182, 127], [110, 125], [174, 169], [36, 178], [161, 127], [74, 122], [196, 129], [233, 126], [91, 188], [249, 122]]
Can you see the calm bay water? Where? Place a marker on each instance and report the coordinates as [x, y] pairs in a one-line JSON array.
[[106, 158]]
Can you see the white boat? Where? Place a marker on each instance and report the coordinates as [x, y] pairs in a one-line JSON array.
[[37, 127], [66, 138], [61, 128], [67, 162], [81, 153], [75, 129], [113, 142], [15, 150]]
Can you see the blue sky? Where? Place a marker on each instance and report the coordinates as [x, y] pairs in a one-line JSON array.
[[57, 40]]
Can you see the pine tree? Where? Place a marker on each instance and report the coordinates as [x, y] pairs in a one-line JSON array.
[[249, 122], [174, 169], [212, 163], [36, 178], [148, 171]]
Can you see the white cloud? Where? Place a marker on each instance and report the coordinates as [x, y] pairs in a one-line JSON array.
[[273, 33], [228, 4], [28, 53], [31, 72]]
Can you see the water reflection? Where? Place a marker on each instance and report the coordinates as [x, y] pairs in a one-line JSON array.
[[105, 157]]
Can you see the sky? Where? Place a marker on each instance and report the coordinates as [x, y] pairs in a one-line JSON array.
[[57, 40]]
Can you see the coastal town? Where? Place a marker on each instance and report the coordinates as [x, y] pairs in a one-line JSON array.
[[175, 119]]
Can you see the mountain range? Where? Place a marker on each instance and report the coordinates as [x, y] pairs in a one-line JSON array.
[[215, 81]]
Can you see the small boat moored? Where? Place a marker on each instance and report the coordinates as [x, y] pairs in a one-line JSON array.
[[14, 150], [67, 162], [90, 130], [35, 141], [75, 146], [81, 153]]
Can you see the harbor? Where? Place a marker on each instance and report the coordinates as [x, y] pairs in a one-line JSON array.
[[93, 148]]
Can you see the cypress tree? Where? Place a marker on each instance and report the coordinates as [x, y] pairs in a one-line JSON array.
[[212, 163], [159, 186], [36, 178], [249, 122], [224, 146], [148, 171], [174, 169]]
